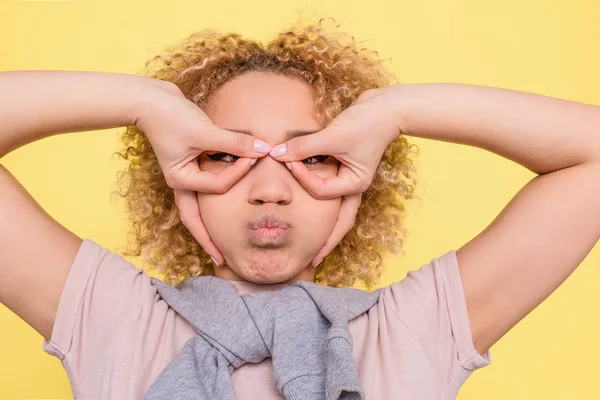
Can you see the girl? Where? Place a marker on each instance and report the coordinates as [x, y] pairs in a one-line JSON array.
[[263, 165]]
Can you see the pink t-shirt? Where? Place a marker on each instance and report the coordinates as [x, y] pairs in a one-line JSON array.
[[114, 335]]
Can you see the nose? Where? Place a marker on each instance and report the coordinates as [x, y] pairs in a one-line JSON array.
[[271, 182]]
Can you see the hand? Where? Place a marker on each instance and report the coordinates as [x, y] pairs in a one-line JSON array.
[[179, 131], [357, 137]]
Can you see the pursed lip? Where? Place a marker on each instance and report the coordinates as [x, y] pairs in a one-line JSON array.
[[269, 229], [269, 221]]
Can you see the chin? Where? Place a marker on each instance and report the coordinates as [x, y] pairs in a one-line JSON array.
[[268, 267], [266, 275]]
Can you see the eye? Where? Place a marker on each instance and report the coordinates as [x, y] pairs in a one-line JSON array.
[[220, 157], [320, 159]]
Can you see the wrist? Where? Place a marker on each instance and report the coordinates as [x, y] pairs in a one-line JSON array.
[[149, 98], [403, 101]]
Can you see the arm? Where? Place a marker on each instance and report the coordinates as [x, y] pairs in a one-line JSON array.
[[550, 226], [37, 252], [38, 104]]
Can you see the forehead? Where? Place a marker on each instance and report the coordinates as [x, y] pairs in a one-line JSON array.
[[268, 105]]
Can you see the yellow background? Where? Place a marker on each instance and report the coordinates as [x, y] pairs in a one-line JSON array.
[[545, 46]]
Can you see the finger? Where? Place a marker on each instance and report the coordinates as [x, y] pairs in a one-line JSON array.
[[345, 183], [299, 148], [239, 144], [189, 213], [192, 178], [230, 175], [343, 225]]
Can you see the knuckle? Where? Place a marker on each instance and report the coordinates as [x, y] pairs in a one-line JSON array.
[[318, 194], [367, 94], [172, 87], [241, 142], [187, 219], [170, 180], [184, 219], [221, 187], [364, 185], [296, 145]]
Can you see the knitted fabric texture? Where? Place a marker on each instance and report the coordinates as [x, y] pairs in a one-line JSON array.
[[303, 327]]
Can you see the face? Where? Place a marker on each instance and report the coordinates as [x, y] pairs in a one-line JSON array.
[[267, 106]]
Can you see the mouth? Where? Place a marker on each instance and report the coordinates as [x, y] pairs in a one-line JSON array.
[[269, 228], [269, 233]]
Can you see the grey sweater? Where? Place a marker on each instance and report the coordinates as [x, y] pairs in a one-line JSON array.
[[303, 327]]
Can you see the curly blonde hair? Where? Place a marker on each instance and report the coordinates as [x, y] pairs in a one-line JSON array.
[[338, 71]]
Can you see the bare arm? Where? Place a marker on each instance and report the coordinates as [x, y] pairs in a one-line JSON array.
[[37, 252], [550, 226], [38, 104], [541, 133]]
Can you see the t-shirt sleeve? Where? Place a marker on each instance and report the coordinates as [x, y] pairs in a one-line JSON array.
[[101, 292], [431, 303]]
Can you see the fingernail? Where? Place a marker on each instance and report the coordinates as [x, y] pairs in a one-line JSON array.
[[261, 147], [214, 261], [253, 162], [318, 263], [288, 165], [278, 150]]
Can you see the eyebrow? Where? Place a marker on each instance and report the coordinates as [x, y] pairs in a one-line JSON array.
[[290, 134]]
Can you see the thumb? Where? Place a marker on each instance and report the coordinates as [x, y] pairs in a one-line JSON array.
[[236, 143], [300, 148]]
